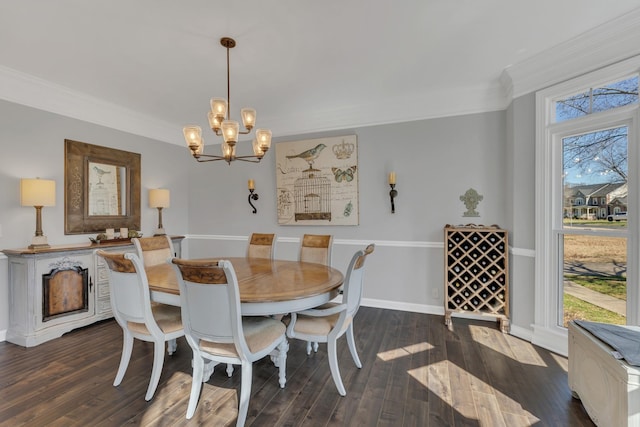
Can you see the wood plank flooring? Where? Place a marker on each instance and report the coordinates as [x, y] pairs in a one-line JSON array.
[[415, 373]]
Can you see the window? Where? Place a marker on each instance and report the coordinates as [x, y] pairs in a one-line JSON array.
[[594, 100], [587, 141]]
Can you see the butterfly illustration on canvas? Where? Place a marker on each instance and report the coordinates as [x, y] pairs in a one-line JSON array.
[[346, 175]]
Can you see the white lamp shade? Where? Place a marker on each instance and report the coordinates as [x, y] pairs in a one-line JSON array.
[[159, 198], [37, 192]]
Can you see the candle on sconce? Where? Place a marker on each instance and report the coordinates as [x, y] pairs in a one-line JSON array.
[[251, 185], [392, 178]]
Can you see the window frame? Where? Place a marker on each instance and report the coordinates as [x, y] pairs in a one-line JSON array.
[[549, 196]]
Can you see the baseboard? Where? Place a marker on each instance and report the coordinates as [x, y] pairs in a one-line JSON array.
[[551, 340], [522, 333], [403, 306]]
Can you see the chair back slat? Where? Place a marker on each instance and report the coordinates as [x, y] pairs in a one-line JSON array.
[[316, 248], [129, 293], [210, 292], [153, 250], [261, 245]]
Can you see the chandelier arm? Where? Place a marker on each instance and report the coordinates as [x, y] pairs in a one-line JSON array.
[[251, 159], [208, 158]]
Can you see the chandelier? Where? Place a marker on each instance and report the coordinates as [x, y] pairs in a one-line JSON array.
[[221, 123]]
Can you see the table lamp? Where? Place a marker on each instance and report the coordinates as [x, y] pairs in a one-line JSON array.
[[38, 193], [159, 198]]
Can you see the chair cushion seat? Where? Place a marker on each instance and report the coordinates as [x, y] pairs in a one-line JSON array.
[[310, 325], [259, 333], [168, 318]]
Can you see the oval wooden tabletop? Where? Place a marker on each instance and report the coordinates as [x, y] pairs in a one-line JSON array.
[[263, 280]]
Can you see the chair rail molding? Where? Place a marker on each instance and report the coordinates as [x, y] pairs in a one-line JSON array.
[[345, 242]]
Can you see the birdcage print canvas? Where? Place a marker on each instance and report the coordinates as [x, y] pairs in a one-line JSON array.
[[312, 195], [317, 181]]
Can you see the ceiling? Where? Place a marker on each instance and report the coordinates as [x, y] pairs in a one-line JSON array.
[[305, 66]]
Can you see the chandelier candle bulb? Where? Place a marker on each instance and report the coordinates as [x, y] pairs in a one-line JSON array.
[[251, 185], [392, 177]]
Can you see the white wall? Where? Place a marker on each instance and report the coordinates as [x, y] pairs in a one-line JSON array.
[[32, 145], [436, 162]]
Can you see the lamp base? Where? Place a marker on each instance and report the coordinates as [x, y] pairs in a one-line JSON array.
[[159, 232], [39, 242]]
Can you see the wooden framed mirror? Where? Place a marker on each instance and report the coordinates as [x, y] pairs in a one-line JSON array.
[[101, 188]]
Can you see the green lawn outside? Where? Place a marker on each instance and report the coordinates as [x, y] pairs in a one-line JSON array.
[[575, 308], [614, 286]]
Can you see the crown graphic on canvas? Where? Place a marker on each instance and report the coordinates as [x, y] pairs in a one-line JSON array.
[[343, 150]]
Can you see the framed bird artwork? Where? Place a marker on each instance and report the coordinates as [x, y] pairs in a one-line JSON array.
[[317, 181]]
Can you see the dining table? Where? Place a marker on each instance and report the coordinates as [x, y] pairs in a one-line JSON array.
[[267, 286]]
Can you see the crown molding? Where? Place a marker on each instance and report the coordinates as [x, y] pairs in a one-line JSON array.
[[32, 91], [35, 92], [609, 43], [427, 104], [604, 45]]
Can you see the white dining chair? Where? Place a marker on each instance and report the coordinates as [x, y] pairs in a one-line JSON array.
[[138, 316], [315, 248], [153, 251], [330, 321], [216, 331]]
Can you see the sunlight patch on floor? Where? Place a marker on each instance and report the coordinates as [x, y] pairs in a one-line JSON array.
[[404, 351], [482, 335], [445, 391]]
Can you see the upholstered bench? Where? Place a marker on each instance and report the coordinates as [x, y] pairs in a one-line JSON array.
[[607, 385]]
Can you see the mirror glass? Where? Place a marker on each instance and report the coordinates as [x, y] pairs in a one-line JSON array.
[[107, 192]]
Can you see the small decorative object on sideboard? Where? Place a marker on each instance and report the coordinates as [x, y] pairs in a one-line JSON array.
[[476, 272], [104, 237]]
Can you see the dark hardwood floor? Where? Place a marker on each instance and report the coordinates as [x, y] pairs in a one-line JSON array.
[[415, 373]]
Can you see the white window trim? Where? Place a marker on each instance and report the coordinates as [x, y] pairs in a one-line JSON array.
[[546, 332]]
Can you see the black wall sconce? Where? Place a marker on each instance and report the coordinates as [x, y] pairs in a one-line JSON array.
[[252, 195], [393, 193]]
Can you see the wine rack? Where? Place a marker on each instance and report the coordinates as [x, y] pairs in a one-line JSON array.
[[476, 272]]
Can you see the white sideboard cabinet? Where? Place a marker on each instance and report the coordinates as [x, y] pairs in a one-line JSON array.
[[55, 290]]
